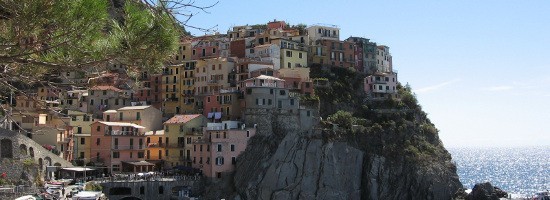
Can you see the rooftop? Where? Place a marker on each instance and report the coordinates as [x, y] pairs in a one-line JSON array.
[[134, 107], [265, 77], [105, 87], [159, 132], [121, 124], [181, 119]]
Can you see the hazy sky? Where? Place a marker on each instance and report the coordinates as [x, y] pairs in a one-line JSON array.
[[480, 69]]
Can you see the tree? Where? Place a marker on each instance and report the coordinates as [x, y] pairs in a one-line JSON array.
[[38, 37], [43, 37]]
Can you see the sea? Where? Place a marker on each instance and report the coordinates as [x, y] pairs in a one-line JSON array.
[[520, 171]]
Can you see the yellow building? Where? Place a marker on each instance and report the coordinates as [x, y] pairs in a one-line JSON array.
[[80, 122], [293, 54], [156, 148], [179, 132]]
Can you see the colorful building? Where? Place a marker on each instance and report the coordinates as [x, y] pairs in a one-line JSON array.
[[119, 146], [80, 122], [102, 98], [216, 154], [179, 132], [381, 85]]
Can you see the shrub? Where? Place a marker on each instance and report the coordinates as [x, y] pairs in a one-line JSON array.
[[92, 186]]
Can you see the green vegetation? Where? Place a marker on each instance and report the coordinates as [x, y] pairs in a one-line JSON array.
[[392, 127], [92, 186]]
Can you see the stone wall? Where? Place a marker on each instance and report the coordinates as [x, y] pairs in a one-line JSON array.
[[19, 147]]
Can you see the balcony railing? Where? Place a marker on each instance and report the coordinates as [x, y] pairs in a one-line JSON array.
[[123, 133], [261, 85], [150, 145], [127, 147]]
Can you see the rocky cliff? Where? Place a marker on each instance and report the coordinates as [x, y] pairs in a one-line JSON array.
[[386, 150]]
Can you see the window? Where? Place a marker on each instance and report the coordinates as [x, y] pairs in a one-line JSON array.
[[91, 102], [233, 160], [120, 115], [161, 190], [104, 92], [219, 147], [166, 153], [200, 147], [141, 190], [141, 154], [214, 50], [299, 55], [116, 154], [224, 135], [288, 53], [291, 102], [83, 140], [81, 154], [219, 160], [289, 65], [271, 91], [78, 129], [232, 147], [282, 92], [98, 141], [138, 116], [131, 154], [247, 133], [166, 128]]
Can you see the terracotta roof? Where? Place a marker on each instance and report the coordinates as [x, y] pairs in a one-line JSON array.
[[181, 119], [105, 87]]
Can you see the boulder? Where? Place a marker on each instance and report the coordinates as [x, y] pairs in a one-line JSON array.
[[486, 191]]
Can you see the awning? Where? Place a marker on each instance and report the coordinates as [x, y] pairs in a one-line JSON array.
[[210, 115], [77, 169], [139, 163], [218, 115]]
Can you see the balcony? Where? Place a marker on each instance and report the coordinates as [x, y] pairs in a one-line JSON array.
[[153, 145], [185, 159], [213, 82], [123, 133], [126, 147], [172, 99], [261, 85]]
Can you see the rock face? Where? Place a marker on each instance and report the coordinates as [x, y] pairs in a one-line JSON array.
[[303, 167], [316, 166], [391, 151], [486, 191]]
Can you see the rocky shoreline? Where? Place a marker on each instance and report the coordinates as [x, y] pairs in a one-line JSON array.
[[481, 191]]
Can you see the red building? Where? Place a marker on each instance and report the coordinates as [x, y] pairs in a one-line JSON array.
[[238, 48], [205, 47]]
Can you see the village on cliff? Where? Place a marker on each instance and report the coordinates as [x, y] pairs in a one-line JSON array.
[[199, 113]]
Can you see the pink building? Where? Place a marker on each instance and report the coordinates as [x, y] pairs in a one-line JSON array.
[[217, 153], [381, 85], [205, 47], [119, 146]]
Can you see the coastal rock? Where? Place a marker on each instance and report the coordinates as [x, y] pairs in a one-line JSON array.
[[486, 191], [310, 166]]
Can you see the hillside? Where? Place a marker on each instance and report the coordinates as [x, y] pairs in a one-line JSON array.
[[385, 149]]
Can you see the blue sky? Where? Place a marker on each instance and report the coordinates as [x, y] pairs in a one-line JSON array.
[[480, 69]]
